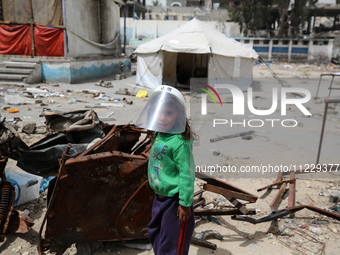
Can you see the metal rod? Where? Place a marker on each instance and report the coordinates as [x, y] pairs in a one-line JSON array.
[[228, 193], [322, 131], [203, 243], [291, 194], [276, 201], [32, 28], [330, 87], [275, 184], [317, 91]]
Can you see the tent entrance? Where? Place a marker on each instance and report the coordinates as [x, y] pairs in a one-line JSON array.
[[178, 68]]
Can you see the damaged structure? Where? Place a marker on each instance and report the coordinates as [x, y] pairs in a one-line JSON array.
[[64, 46]]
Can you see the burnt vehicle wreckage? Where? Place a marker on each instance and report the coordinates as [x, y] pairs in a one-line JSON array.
[[101, 191]]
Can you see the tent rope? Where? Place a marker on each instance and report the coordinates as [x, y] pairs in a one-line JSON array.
[[282, 82], [213, 62], [141, 79]]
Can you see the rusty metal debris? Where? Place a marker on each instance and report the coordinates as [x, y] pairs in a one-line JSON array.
[[302, 242], [200, 239], [11, 221], [291, 208], [108, 195], [327, 101], [330, 86]]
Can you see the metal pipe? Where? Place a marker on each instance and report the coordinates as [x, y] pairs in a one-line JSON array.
[[64, 24], [32, 28], [322, 131]]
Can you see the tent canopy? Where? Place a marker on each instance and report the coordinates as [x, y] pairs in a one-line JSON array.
[[198, 38], [194, 50]]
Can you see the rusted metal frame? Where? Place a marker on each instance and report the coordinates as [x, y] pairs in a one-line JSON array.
[[291, 194], [199, 192], [203, 243], [123, 166], [7, 207], [101, 143], [276, 184], [284, 212], [124, 207], [41, 244], [270, 217], [86, 158], [232, 200], [327, 101], [198, 202], [279, 176], [294, 209], [221, 184], [11, 221], [233, 211], [276, 201], [227, 193], [330, 87]]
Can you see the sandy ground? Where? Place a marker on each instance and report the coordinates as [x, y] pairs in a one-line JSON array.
[[275, 146]]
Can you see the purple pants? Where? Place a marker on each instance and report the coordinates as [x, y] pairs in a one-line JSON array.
[[167, 235]]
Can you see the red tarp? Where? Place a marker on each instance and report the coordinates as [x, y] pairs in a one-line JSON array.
[[16, 40], [48, 41]]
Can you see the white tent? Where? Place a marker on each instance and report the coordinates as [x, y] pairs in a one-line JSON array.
[[194, 50]]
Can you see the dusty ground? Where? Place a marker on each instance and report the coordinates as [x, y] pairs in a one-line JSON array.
[[287, 235]]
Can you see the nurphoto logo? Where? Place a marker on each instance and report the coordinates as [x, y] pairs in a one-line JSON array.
[[238, 104]]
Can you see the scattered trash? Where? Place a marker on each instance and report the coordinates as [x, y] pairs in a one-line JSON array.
[[14, 110], [336, 207], [44, 183], [142, 93], [17, 99], [208, 234], [213, 220], [104, 84], [334, 197], [216, 153], [127, 101], [314, 230], [123, 91], [26, 185]]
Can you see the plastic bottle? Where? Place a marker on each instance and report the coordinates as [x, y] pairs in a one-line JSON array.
[[315, 230]]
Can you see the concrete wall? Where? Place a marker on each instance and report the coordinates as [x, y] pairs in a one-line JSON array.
[[77, 71], [292, 50]]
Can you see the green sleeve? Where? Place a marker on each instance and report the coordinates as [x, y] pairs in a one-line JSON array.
[[185, 163]]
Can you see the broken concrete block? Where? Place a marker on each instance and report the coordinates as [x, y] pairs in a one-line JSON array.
[[123, 91], [28, 127], [118, 77]]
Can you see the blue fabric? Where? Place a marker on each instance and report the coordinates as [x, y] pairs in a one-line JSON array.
[[44, 183]]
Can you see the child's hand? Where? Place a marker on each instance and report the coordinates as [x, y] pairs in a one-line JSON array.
[[183, 213]]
